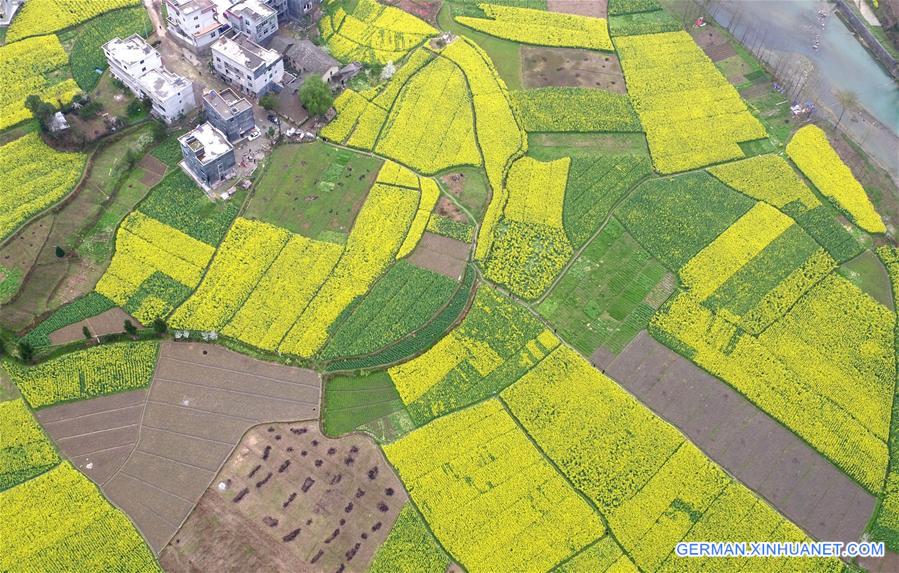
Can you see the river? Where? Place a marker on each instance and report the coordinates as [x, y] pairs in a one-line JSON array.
[[790, 29]]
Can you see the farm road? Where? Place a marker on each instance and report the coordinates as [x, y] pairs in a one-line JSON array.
[[753, 447], [202, 400]]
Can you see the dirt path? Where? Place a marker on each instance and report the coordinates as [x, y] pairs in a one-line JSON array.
[[152, 9]]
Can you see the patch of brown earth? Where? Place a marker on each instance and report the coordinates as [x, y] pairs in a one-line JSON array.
[[291, 499], [570, 67]]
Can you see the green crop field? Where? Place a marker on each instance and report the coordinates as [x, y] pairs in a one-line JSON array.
[[312, 188], [607, 296]]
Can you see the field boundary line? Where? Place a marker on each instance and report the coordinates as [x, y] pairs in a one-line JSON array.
[[229, 391]]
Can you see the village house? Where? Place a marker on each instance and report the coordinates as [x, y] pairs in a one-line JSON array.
[[229, 113], [304, 57], [245, 64], [194, 23], [208, 156], [254, 18], [137, 65]]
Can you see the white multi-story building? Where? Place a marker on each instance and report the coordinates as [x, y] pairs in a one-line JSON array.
[[172, 95], [194, 22], [137, 65], [131, 58], [245, 64], [254, 18]]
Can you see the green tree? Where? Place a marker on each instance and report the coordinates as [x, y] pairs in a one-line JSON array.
[[26, 351], [42, 110], [86, 332], [130, 328], [269, 101], [315, 95], [159, 131], [160, 327], [60, 253]]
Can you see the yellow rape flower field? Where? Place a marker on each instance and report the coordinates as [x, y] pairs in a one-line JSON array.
[[60, 521], [145, 246], [46, 16], [372, 33], [539, 27], [35, 66], [35, 177], [490, 497], [692, 116], [814, 156]]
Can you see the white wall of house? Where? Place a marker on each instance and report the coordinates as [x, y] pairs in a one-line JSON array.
[[254, 18], [194, 22], [227, 62], [172, 95], [129, 59]]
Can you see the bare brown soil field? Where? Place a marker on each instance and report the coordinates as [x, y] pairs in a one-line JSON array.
[[570, 67], [96, 435], [441, 255], [291, 499], [745, 441], [202, 400], [109, 322], [424, 9], [594, 8], [154, 170]]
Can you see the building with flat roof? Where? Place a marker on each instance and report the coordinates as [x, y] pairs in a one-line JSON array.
[[172, 95], [208, 156], [254, 18], [246, 65], [131, 58], [229, 113], [137, 65], [194, 23]]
